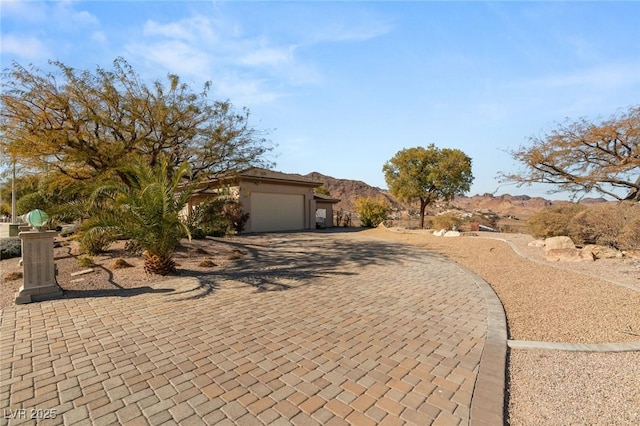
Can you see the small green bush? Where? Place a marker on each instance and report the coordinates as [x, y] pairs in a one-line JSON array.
[[446, 221], [553, 221], [372, 211], [10, 247]]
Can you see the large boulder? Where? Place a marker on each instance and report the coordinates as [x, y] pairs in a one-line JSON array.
[[569, 255], [603, 252], [554, 243], [451, 234], [440, 233]]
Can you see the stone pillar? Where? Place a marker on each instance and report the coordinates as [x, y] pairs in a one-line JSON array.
[[39, 269]]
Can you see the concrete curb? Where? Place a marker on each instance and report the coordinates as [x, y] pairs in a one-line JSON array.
[[575, 347]]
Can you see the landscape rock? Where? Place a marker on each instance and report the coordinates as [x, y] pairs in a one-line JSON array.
[[536, 243], [451, 234], [632, 254], [603, 252], [569, 255], [440, 233], [555, 243]]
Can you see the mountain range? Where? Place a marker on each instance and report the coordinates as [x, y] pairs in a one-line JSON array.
[[514, 206]]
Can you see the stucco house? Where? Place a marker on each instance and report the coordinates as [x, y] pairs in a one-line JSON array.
[[275, 201]]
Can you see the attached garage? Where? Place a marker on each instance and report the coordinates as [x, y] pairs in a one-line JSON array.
[[276, 212], [275, 201]]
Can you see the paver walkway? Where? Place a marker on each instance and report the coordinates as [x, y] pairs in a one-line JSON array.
[[310, 328]]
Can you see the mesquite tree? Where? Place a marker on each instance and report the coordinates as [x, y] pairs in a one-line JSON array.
[[428, 174], [580, 156], [86, 124]]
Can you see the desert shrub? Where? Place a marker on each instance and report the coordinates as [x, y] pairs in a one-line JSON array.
[[95, 242], [13, 276], [607, 224], [85, 261], [446, 221], [372, 211], [629, 239], [68, 230], [233, 216], [490, 219], [120, 263], [216, 217], [10, 247], [553, 221], [133, 248]]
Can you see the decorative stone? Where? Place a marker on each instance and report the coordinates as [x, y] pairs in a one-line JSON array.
[[569, 255], [558, 243], [451, 234], [603, 252]]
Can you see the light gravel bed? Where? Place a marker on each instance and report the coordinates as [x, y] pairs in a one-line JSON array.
[[569, 388]]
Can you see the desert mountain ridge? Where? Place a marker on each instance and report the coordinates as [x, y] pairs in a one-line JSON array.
[[521, 206]]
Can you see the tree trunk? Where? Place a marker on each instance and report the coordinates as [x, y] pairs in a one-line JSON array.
[[159, 265], [634, 193], [423, 207]]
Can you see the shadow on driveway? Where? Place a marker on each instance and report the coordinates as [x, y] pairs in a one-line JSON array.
[[276, 262]]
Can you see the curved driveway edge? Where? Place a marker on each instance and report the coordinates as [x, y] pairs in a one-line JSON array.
[[486, 408], [309, 328]]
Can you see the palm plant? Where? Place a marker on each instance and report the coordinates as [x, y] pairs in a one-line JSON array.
[[144, 205]]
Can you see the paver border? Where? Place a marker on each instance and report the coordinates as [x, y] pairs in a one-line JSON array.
[[485, 408]]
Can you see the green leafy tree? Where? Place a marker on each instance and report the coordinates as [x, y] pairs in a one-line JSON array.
[[580, 156], [428, 174], [86, 124], [372, 212], [146, 210]]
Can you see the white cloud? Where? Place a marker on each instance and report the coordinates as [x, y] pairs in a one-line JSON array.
[[245, 91], [269, 56], [23, 47], [174, 56], [340, 31], [249, 69], [99, 37], [196, 29], [596, 78], [24, 10]]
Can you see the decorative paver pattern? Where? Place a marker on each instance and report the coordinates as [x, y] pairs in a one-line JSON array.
[[308, 328]]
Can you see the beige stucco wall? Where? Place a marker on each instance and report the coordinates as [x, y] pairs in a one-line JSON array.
[[308, 203], [329, 208]]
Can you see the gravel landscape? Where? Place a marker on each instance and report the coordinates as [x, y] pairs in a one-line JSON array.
[[585, 302]]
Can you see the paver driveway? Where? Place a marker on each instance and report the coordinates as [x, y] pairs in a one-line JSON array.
[[310, 328]]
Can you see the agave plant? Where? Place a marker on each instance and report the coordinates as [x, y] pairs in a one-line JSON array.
[[144, 205]]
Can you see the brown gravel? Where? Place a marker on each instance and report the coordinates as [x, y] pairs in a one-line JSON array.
[[555, 302], [193, 257]]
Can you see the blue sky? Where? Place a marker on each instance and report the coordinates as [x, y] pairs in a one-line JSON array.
[[342, 86]]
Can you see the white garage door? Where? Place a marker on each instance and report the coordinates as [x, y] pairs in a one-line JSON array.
[[276, 212]]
